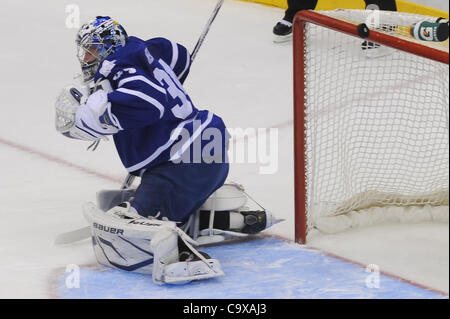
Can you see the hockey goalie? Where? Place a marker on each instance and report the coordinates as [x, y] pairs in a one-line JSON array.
[[133, 91]]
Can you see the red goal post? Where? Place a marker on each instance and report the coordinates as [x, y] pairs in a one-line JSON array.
[[350, 28]]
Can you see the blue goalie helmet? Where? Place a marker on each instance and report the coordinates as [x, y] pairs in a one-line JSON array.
[[95, 41]]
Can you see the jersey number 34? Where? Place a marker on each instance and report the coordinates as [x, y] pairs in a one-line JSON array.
[[182, 110]]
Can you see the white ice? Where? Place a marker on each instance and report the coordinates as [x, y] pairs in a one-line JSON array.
[[238, 73]]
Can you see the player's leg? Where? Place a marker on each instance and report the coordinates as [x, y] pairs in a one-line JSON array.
[[230, 213], [295, 6], [226, 215], [169, 191], [175, 191], [388, 5]]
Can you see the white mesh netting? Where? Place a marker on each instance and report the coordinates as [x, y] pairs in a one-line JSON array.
[[377, 126]]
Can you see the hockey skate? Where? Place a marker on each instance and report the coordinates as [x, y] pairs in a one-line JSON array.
[[282, 31], [225, 217]]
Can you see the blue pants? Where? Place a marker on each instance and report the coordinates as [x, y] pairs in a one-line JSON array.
[[178, 190]]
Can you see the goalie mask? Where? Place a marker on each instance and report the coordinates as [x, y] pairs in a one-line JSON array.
[[95, 41]]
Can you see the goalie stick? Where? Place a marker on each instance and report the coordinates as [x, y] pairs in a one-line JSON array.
[[85, 232], [206, 29]]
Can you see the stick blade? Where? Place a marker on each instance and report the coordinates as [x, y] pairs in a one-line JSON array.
[[73, 236]]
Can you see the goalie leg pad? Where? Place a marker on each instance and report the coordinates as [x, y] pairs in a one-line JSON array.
[[124, 240], [176, 191]]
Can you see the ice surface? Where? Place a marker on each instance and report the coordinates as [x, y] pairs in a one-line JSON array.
[[291, 272], [238, 73]]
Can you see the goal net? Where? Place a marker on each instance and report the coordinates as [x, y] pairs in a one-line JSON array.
[[371, 117]]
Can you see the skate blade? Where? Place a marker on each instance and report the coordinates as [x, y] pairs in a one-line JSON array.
[[272, 220], [282, 38]]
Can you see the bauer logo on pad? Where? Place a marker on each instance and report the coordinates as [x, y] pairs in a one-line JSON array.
[[108, 229]]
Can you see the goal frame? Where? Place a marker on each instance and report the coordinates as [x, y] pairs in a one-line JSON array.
[[300, 20]]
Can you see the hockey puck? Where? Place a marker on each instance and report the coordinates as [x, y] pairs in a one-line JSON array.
[[363, 30]]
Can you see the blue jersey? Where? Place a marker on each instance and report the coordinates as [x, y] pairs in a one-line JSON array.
[[157, 120]]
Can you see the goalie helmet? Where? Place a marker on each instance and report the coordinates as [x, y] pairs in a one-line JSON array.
[[95, 41]]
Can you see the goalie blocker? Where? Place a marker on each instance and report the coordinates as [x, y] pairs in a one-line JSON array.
[[128, 241]]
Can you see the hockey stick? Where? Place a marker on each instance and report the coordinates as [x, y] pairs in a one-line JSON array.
[[206, 29], [73, 236], [85, 232]]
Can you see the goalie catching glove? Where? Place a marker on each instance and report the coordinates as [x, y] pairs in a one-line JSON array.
[[125, 240], [84, 118]]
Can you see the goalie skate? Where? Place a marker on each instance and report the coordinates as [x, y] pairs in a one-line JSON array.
[[224, 217]]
